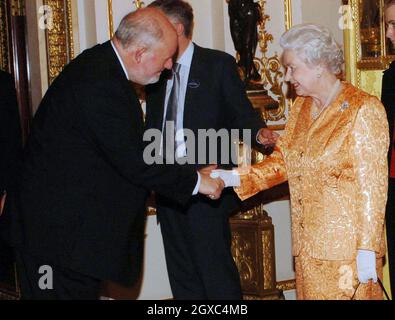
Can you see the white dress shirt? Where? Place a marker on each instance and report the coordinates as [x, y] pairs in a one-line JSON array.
[[185, 62], [120, 60]]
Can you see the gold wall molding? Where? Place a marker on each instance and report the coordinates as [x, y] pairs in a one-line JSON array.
[[59, 38], [288, 14], [70, 34], [357, 39], [110, 19], [350, 46], [138, 3], [270, 69], [18, 8], [4, 39]]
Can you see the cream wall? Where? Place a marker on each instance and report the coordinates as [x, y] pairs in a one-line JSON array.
[[87, 23], [328, 9]]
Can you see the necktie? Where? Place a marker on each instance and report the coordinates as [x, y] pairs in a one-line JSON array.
[[171, 113]]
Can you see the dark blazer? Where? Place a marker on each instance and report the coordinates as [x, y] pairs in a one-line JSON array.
[[82, 194], [10, 132], [388, 98], [215, 98]]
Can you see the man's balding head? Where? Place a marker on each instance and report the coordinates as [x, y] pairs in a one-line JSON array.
[[146, 42], [144, 27]]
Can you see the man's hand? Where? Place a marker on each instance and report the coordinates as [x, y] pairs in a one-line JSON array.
[[211, 187], [267, 137], [207, 170]]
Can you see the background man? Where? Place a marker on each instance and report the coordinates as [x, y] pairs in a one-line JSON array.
[[10, 146], [388, 99], [10, 134], [209, 95]]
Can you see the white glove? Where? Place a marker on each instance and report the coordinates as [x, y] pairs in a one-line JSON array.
[[366, 266], [231, 178]]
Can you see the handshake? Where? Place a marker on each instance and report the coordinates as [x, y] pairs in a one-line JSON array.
[[213, 181]]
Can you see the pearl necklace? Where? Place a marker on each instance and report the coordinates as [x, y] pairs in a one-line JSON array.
[[332, 95]]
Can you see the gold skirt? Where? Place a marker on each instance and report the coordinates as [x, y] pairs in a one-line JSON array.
[[333, 280]]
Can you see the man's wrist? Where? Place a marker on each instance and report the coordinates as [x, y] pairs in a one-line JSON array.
[[197, 187]]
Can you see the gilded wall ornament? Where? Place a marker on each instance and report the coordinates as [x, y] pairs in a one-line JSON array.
[[4, 40], [59, 37]]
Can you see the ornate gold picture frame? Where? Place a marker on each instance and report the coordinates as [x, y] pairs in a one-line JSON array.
[[59, 38], [366, 47], [4, 35], [371, 43], [365, 38]]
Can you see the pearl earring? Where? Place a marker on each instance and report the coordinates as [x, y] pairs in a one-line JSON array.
[[319, 75]]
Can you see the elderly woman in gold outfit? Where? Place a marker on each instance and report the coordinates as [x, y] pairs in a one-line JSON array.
[[334, 155]]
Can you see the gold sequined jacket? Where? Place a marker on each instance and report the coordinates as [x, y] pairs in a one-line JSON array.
[[336, 167]]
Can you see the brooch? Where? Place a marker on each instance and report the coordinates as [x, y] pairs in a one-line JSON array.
[[344, 106]]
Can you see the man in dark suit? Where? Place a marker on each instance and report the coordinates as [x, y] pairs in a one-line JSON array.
[[80, 209], [10, 134], [10, 147], [197, 237], [388, 99]]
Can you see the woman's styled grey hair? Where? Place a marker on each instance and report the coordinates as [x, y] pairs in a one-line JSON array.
[[316, 45]]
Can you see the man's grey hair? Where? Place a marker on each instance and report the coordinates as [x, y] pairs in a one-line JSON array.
[[139, 30], [177, 10], [316, 45]]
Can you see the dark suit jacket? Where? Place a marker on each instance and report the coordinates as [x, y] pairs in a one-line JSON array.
[[388, 99], [10, 132], [215, 99], [82, 195]]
